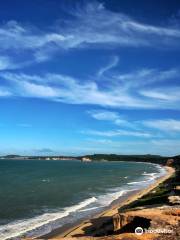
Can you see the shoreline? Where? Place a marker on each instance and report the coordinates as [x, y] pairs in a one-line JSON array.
[[111, 210]]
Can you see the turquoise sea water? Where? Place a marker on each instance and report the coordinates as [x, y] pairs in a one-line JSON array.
[[38, 196]]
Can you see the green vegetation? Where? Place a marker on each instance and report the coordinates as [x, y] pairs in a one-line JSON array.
[[135, 158], [12, 156], [160, 194], [105, 157]]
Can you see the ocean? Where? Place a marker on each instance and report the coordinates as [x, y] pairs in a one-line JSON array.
[[37, 196]]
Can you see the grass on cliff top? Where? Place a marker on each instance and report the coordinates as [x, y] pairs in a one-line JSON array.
[[159, 195]]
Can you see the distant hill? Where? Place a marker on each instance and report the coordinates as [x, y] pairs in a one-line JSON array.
[[134, 158], [12, 156], [106, 157]]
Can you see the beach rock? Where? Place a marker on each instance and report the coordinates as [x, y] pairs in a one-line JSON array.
[[119, 221], [177, 188], [169, 162], [174, 199]]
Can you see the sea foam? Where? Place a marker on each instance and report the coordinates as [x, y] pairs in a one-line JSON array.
[[39, 223], [46, 222]]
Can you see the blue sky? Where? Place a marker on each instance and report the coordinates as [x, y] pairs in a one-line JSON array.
[[80, 77]]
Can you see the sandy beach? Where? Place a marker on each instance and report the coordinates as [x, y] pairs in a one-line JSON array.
[[78, 229]]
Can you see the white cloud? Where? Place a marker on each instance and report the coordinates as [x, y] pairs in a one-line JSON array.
[[113, 63], [110, 116], [146, 77], [167, 125], [93, 26], [69, 90], [99, 141], [104, 115], [9, 63], [15, 36], [6, 63], [118, 132], [167, 94], [37, 90], [5, 92], [66, 89], [149, 29], [103, 26]]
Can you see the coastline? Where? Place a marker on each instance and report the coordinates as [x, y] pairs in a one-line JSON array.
[[77, 228]]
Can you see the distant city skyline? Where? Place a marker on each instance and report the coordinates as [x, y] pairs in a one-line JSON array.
[[83, 77]]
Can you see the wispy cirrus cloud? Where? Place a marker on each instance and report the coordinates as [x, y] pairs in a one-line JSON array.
[[101, 29], [167, 125], [4, 63], [38, 90], [146, 76], [118, 132], [7, 64], [19, 39], [113, 63], [104, 115], [16, 36], [112, 28], [111, 116], [168, 94], [66, 89], [5, 92]]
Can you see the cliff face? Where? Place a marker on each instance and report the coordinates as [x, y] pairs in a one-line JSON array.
[[128, 222], [155, 210], [119, 221], [151, 220], [170, 162]]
